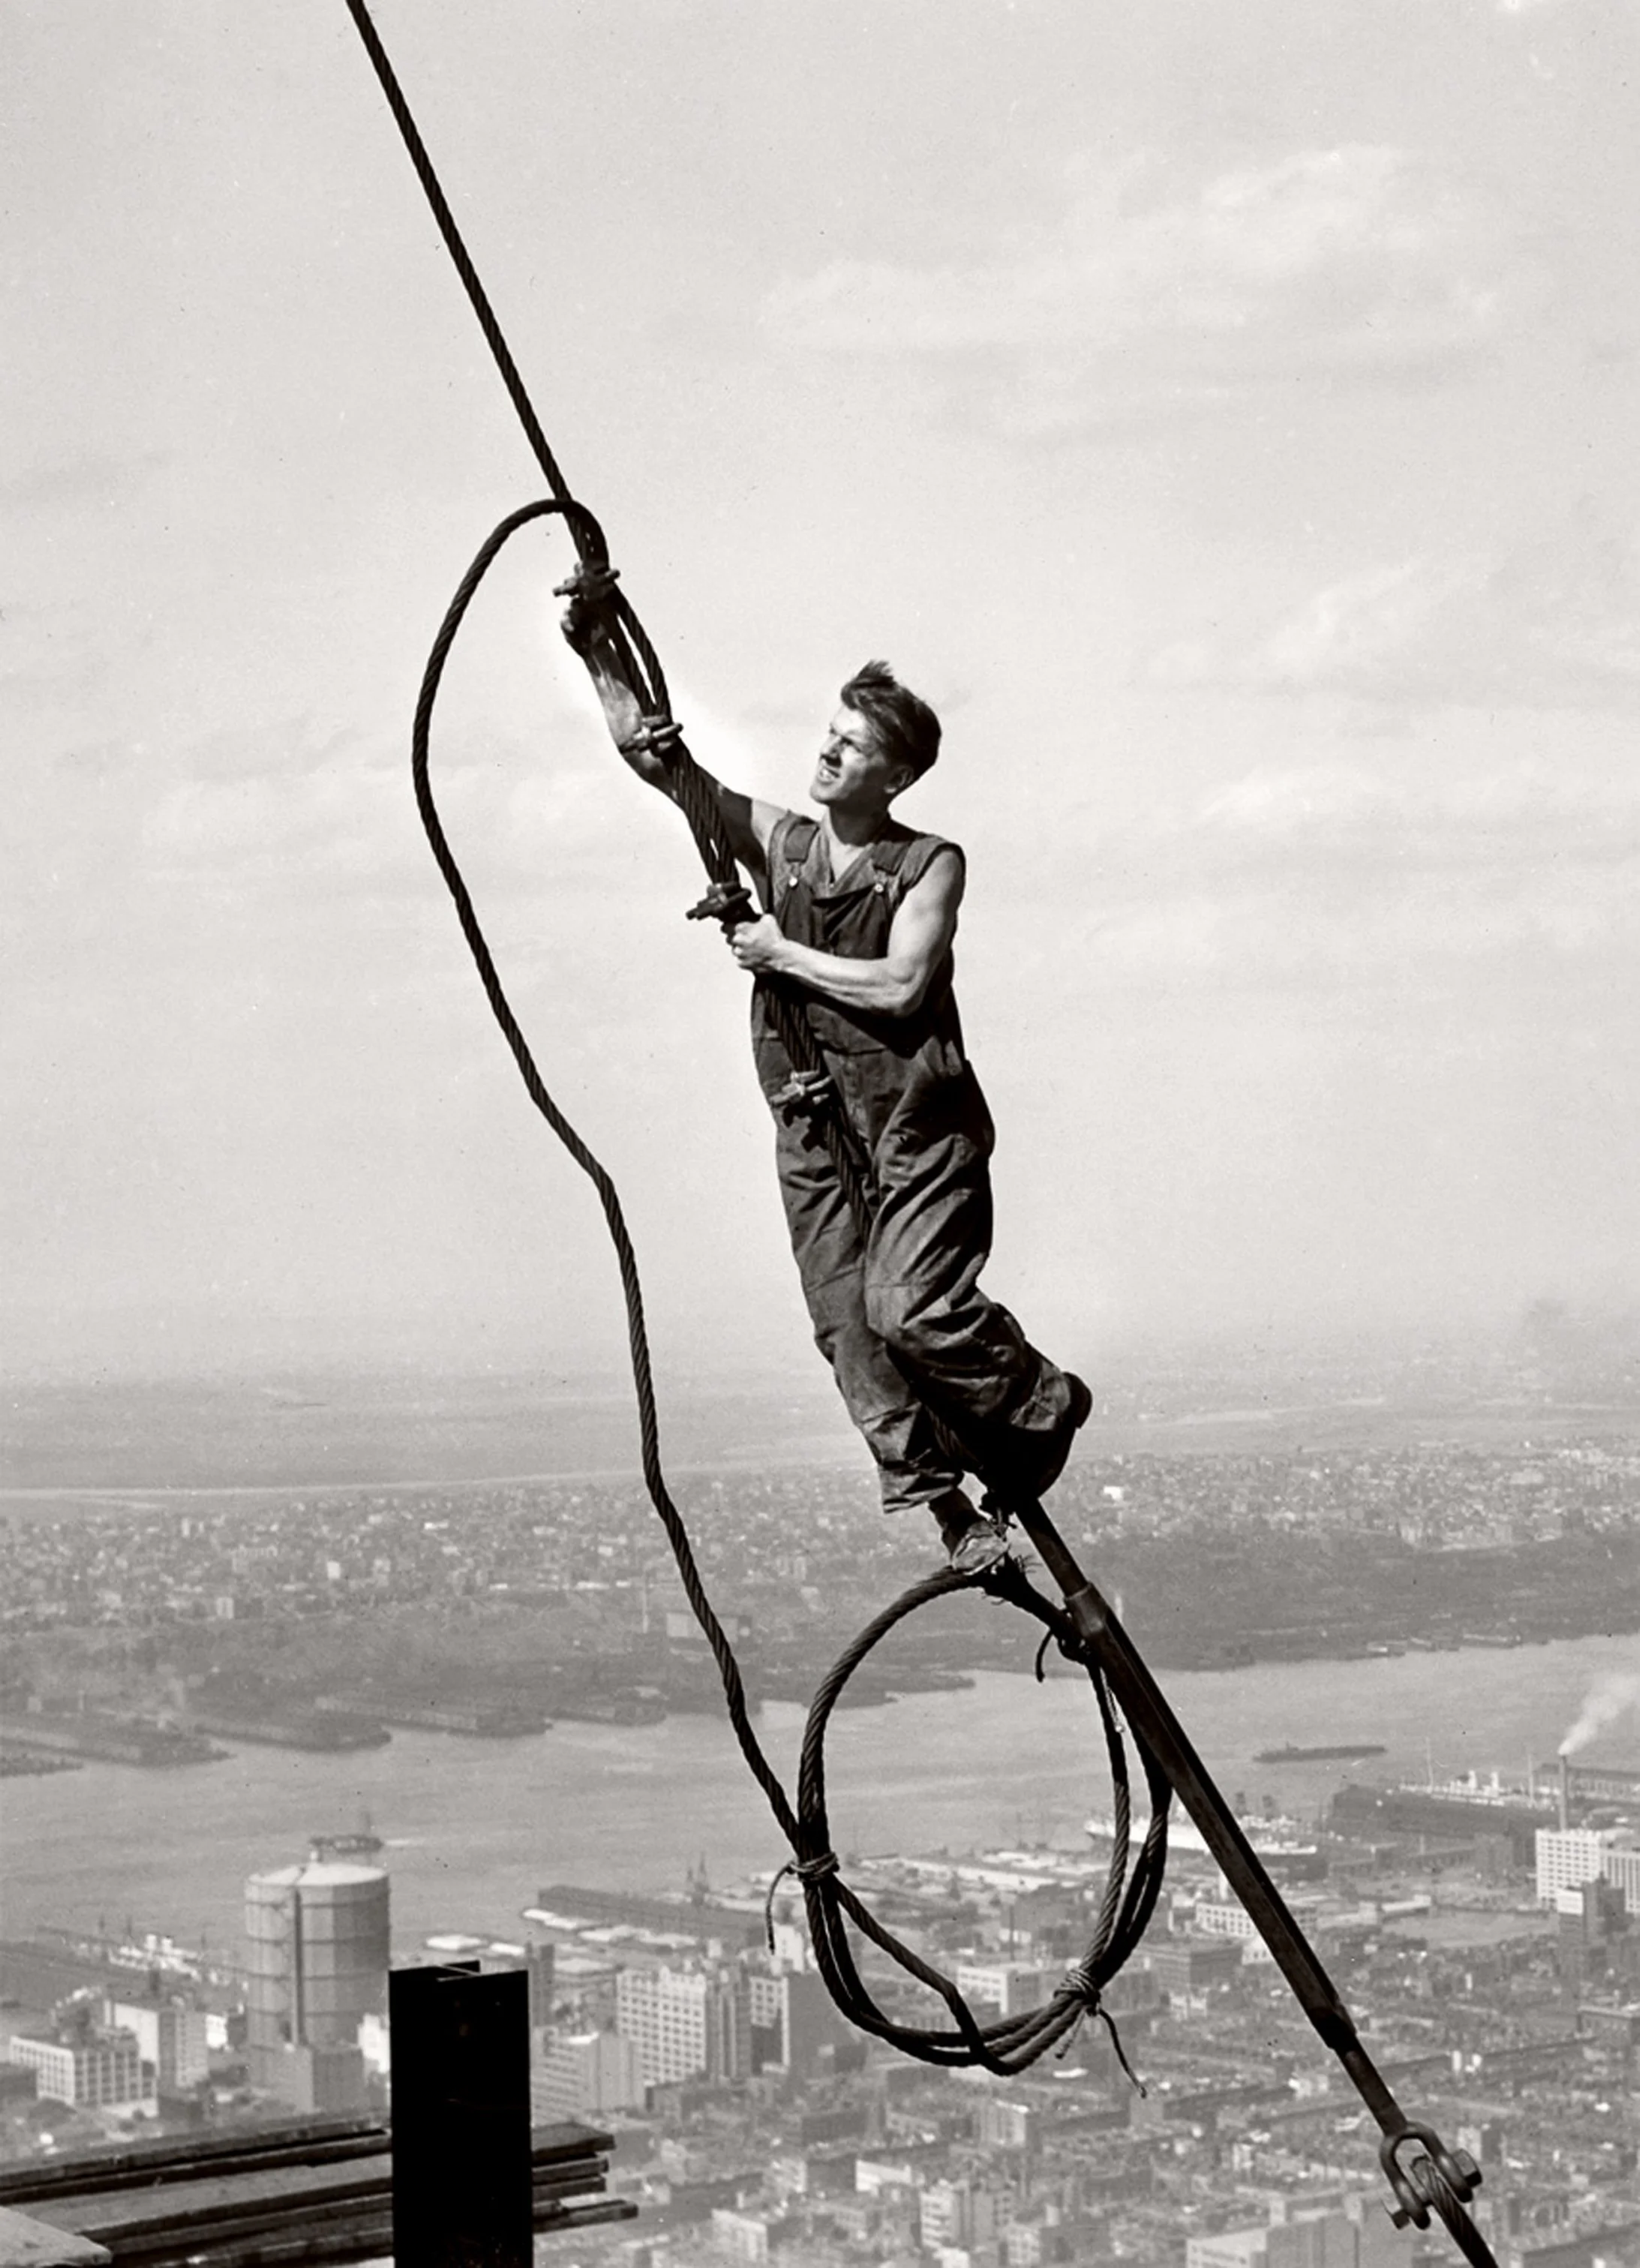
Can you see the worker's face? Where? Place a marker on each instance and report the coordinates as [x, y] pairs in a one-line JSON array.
[[851, 772]]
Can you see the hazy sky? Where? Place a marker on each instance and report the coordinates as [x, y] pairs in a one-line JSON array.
[[1226, 416]]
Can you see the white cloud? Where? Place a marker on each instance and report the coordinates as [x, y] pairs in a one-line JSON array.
[[1357, 261], [1338, 801], [1553, 622], [1351, 873]]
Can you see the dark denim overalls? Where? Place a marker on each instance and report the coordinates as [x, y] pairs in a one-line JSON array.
[[900, 1318]]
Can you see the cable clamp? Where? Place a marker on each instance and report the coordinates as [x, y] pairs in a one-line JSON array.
[[592, 582], [804, 1094], [589, 589], [729, 902], [655, 736]]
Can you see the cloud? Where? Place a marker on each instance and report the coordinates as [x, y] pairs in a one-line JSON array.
[[1359, 262], [1357, 874], [289, 817], [1528, 806], [1553, 622]]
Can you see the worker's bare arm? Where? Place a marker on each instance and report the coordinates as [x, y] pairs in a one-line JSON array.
[[750, 821], [919, 938]]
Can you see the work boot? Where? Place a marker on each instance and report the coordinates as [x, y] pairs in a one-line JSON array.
[[1057, 1448], [973, 1543]]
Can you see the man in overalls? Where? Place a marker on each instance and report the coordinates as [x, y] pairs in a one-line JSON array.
[[861, 914]]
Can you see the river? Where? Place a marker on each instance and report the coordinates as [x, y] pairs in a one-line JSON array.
[[473, 1828]]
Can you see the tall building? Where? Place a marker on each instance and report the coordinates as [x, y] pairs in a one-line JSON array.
[[793, 2019], [1010, 1987], [1568, 1857], [686, 2023], [583, 2075], [170, 2036], [539, 1962], [962, 2214], [1185, 1967], [1621, 1867], [317, 1956], [1592, 1933]]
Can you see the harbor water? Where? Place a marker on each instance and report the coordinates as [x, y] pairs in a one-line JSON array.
[[473, 1828]]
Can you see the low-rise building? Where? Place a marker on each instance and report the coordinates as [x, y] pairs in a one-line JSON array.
[[92, 2067]]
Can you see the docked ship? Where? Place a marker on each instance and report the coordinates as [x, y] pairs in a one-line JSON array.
[[1453, 1810], [627, 1707], [360, 1842], [87, 1735], [327, 1731], [1288, 1850], [488, 1719], [1337, 1752]]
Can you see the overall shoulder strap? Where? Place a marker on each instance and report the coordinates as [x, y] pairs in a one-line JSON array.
[[790, 839], [902, 865]]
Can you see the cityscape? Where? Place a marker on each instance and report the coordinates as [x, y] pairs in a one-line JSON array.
[[1479, 1924], [482, 1782]]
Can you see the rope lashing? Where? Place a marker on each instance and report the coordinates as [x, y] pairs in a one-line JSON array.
[[1127, 1901]]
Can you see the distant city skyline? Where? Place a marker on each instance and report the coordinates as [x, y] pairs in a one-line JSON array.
[[1223, 417]]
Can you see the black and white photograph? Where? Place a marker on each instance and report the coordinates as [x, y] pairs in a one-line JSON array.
[[819, 1274]]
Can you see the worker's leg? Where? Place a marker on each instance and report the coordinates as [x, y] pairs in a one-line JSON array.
[[831, 1263], [931, 1242]]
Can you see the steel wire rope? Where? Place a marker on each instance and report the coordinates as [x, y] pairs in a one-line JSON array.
[[824, 1892], [1437, 2180], [586, 532]]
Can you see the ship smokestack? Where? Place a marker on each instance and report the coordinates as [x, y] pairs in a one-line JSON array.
[[1565, 1791]]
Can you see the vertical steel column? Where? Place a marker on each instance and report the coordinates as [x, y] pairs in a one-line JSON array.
[[461, 2168]]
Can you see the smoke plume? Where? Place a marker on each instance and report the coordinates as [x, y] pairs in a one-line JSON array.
[[1605, 1700]]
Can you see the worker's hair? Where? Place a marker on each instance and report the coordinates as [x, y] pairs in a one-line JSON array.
[[907, 729]]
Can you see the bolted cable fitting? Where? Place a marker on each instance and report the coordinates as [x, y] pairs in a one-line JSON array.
[[655, 736], [804, 1094], [729, 902], [593, 581]]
